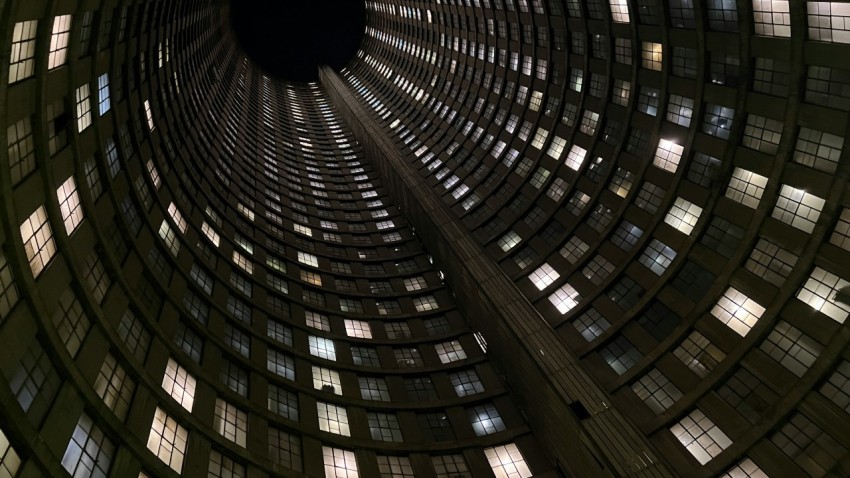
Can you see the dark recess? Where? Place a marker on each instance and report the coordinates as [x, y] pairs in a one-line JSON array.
[[290, 39]]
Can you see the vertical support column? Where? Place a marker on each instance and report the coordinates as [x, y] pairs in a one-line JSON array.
[[546, 379]]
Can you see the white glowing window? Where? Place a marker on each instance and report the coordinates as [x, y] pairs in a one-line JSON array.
[[59, 39], [797, 208], [302, 229], [308, 259], [772, 18], [824, 291], [539, 138], [317, 321], [149, 115], [652, 55], [322, 348], [737, 311], [450, 351], [575, 158], [565, 298], [83, 107], [326, 380], [22, 61], [167, 440], [506, 461], [245, 211], [425, 303], [243, 263], [668, 155], [412, 284], [556, 148], [746, 468], [619, 11], [339, 463], [657, 256], [178, 218], [544, 276], [38, 240], [700, 436], [10, 461], [170, 238], [210, 233], [231, 422], [89, 451], [358, 328], [683, 215], [333, 419], [154, 174], [103, 101], [69, 204], [829, 21], [746, 187], [509, 241], [178, 383]]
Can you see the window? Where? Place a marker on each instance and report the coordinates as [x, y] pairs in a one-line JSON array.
[[374, 388], [619, 11], [8, 290], [326, 380], [466, 383], [114, 387], [10, 461], [575, 157], [818, 150], [103, 102], [167, 440], [485, 420], [507, 461], [333, 419], [722, 15], [230, 422], [543, 277], [737, 311], [285, 449], [840, 236], [178, 383], [680, 110], [746, 187], [450, 352], [425, 303], [322, 348], [280, 364], [798, 208], [657, 257], [828, 87], [700, 436], [57, 134], [772, 18], [21, 150], [149, 115], [770, 76], [699, 354], [651, 55], [339, 463], [450, 466], [224, 467], [717, 121], [69, 204], [812, 448], [822, 291], [621, 355], [648, 100], [38, 240], [83, 102], [283, 402], [837, 387], [668, 155], [358, 328], [829, 21], [90, 451], [793, 349], [656, 391], [384, 427], [22, 61], [59, 41], [395, 467], [683, 216], [762, 134], [565, 298], [317, 321]]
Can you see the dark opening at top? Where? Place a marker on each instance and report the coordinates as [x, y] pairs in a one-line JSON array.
[[290, 39]]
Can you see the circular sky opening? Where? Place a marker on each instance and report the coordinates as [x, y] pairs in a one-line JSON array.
[[290, 39]]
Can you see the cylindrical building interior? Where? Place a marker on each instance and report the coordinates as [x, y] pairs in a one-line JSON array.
[[511, 238]]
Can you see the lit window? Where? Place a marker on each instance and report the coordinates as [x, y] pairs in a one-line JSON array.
[[333, 419], [746, 187], [22, 61], [824, 292], [326, 380], [745, 469], [149, 115], [699, 354], [317, 321], [69, 204], [10, 461], [668, 155], [395, 467], [167, 440], [358, 328], [224, 467], [656, 391], [557, 147], [619, 11], [485, 420], [210, 233], [565, 298], [450, 466], [89, 452], [798, 208], [322, 348], [762, 134], [544, 276], [21, 150], [841, 235], [450, 352], [38, 241], [170, 238], [772, 17], [178, 383], [59, 41], [339, 463], [506, 461], [308, 259], [652, 55], [114, 387], [737, 311], [818, 150], [103, 101], [415, 283], [280, 364], [575, 158], [657, 256], [83, 98], [683, 215], [243, 263], [700, 436], [230, 422]]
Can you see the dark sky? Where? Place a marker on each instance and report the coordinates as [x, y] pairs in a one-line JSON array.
[[289, 39]]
